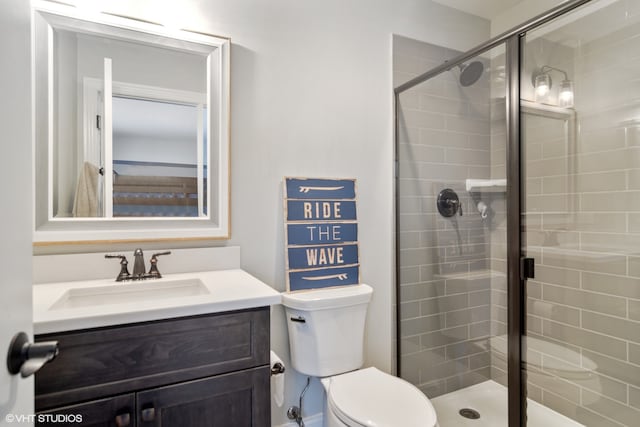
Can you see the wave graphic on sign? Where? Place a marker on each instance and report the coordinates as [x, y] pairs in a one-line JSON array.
[[304, 189], [342, 276]]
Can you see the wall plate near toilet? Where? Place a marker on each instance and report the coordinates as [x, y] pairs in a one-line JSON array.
[[321, 233]]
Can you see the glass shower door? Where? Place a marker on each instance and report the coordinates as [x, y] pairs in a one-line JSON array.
[[451, 213], [580, 133]]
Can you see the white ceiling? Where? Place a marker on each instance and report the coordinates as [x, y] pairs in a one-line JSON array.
[[487, 9]]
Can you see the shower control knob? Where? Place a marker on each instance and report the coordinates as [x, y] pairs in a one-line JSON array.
[[448, 203]]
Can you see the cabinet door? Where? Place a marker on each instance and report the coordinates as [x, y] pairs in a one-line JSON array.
[[239, 399], [117, 411], [102, 362]]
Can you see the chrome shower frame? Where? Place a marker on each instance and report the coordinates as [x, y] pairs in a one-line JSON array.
[[513, 40]]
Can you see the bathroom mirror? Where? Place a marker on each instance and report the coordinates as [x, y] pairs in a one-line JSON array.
[[131, 129]]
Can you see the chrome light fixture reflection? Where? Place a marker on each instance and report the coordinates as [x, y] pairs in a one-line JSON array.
[[565, 96], [541, 79], [542, 84]]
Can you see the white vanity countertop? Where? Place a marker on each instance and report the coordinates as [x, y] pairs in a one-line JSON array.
[[67, 306]]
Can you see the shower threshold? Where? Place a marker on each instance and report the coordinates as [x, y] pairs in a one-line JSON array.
[[490, 399]]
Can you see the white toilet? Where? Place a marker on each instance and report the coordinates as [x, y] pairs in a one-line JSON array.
[[326, 338]]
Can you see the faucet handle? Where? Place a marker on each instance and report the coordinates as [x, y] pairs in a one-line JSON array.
[[122, 257], [161, 253], [124, 271], [153, 270]]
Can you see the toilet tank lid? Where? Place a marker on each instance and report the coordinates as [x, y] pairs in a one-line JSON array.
[[318, 299]]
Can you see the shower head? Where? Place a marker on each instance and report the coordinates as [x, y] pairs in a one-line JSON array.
[[470, 73]]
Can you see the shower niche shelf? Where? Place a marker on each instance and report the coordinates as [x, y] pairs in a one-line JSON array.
[[486, 185]]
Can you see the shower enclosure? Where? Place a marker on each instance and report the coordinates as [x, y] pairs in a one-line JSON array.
[[518, 221]]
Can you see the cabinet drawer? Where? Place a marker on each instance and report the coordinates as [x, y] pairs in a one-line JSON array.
[[238, 399], [119, 411], [107, 361]]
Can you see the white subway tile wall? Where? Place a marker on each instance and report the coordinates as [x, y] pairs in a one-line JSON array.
[[445, 281]]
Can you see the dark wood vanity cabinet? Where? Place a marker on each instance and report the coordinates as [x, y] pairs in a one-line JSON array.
[[113, 411], [210, 370]]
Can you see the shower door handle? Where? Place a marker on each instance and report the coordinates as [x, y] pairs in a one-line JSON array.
[[527, 268]]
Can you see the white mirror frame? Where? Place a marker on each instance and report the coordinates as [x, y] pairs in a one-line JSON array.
[[52, 230]]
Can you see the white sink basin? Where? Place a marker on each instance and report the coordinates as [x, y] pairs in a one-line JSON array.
[[130, 292], [67, 306]]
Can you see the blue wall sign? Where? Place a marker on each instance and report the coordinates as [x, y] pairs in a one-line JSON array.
[[323, 278], [321, 233], [322, 256], [321, 210], [320, 189]]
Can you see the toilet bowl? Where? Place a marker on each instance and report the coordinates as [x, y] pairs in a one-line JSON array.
[[369, 397], [326, 339]]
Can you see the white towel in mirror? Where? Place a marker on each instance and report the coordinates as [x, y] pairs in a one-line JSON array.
[[86, 200]]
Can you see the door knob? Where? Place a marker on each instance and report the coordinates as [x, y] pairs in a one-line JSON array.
[[28, 358]]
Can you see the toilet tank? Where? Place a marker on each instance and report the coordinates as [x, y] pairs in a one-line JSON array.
[[326, 329]]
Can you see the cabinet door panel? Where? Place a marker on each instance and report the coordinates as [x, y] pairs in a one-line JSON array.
[[117, 411], [108, 361], [240, 399]]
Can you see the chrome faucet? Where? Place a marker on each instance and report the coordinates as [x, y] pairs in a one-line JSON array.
[[138, 266]]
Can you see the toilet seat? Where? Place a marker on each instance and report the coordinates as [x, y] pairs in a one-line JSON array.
[[371, 398]]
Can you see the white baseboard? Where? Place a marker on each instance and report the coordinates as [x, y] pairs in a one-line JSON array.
[[314, 420]]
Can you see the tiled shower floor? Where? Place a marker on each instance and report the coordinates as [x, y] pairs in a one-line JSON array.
[[490, 399]]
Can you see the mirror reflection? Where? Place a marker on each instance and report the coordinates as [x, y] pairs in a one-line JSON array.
[[131, 122], [158, 169]]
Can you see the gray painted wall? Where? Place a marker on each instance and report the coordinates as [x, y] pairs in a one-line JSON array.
[[311, 96]]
